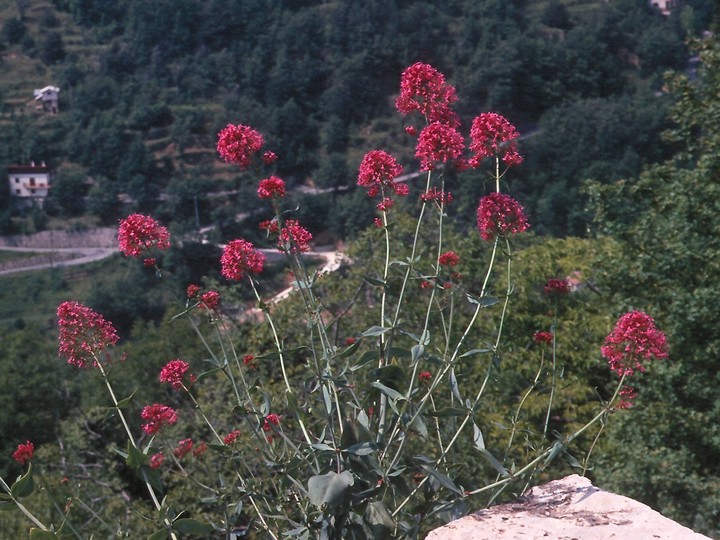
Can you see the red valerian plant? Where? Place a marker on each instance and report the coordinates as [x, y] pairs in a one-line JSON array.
[[557, 286], [271, 187], [84, 334], [24, 452], [158, 416], [138, 234], [366, 431], [493, 135], [240, 258], [238, 144], [438, 143], [174, 372], [498, 215], [423, 89], [633, 342]]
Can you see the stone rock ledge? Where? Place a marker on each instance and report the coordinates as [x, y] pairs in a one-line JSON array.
[[567, 509]]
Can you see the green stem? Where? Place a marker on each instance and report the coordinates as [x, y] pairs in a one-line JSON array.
[[21, 506]]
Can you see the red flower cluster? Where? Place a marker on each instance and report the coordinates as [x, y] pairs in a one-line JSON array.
[[238, 143], [438, 143], [491, 134], [627, 396], [193, 290], [425, 376], [499, 214], [249, 360], [231, 437], [449, 258], [183, 448], [271, 419], [442, 197], [423, 89], [378, 170], [271, 187], [543, 337], [174, 371], [268, 158], [210, 300], [557, 286], [138, 233], [83, 334], [634, 340], [24, 452], [157, 416], [157, 460], [239, 258], [294, 238]]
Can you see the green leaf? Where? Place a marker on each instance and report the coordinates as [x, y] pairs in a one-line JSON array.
[[162, 534], [374, 281], [379, 520], [7, 504], [135, 458], [362, 449], [502, 471], [367, 358], [485, 301], [388, 374], [24, 485], [416, 353], [418, 424], [331, 488], [454, 386], [475, 351], [389, 392], [39, 534], [191, 526], [351, 349], [125, 402], [375, 331], [478, 437], [555, 451], [443, 479], [322, 447]]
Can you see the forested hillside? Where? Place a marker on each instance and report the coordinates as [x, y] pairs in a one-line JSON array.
[[145, 87]]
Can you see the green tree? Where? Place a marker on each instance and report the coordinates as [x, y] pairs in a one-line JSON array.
[[666, 262]]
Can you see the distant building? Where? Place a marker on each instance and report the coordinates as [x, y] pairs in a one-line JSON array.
[[29, 184], [48, 98], [664, 5]]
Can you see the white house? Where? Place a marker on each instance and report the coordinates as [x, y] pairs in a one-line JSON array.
[[29, 183], [48, 98], [665, 5]]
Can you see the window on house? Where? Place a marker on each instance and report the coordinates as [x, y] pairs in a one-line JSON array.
[[32, 181], [32, 191], [17, 192], [17, 180]]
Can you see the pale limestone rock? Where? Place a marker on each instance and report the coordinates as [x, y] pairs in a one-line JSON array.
[[567, 509]]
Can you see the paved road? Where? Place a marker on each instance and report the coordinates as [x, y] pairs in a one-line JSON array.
[[53, 258]]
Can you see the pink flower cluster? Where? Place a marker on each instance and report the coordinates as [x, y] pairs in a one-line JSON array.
[[240, 258], [378, 171], [443, 198], [491, 135], [557, 286], [438, 143], [634, 341], [543, 337], [499, 214], [83, 334], [137, 234], [449, 258], [270, 188], [24, 453], [231, 437], [174, 372], [294, 238], [158, 416], [271, 419], [423, 89], [238, 144]]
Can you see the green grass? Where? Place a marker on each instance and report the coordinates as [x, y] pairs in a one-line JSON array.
[[6, 256]]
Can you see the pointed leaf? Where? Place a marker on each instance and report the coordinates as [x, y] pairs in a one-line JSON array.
[[125, 402], [475, 351], [502, 471], [191, 526], [135, 458], [24, 485], [375, 331], [379, 520], [443, 479], [162, 534], [362, 449], [454, 386], [389, 392], [478, 437]]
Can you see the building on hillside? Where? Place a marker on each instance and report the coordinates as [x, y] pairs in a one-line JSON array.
[[47, 98], [664, 5], [29, 184]]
